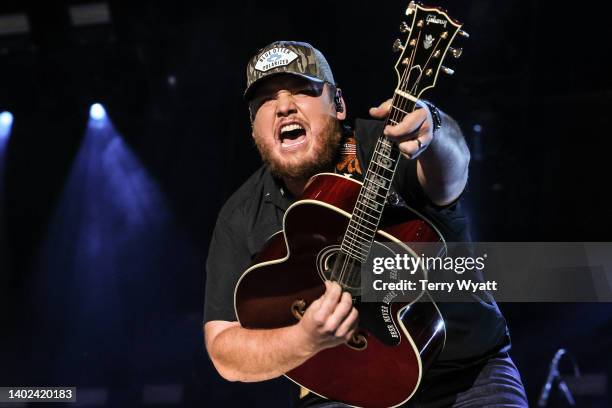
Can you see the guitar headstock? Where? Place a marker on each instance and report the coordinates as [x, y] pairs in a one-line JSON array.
[[430, 32]]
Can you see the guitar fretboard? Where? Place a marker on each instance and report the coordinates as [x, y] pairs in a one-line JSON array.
[[368, 210]]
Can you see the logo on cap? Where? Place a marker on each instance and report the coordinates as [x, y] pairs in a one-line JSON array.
[[275, 57]]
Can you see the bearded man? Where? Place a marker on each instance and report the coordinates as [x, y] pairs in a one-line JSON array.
[[297, 113]]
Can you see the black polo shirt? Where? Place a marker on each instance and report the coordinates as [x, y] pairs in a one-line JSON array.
[[255, 212]]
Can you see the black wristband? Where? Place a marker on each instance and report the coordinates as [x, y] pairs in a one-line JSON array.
[[435, 116]]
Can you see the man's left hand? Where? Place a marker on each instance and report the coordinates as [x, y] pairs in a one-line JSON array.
[[413, 134]]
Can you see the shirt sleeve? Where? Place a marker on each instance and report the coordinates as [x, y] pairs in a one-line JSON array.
[[406, 181], [228, 258], [450, 218]]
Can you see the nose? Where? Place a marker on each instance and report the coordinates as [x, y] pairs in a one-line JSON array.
[[285, 104]]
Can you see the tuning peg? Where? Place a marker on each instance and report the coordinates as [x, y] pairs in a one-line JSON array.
[[397, 46], [447, 71], [404, 27], [464, 34], [456, 52], [411, 8]]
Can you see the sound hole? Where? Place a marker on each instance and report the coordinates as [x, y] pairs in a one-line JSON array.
[[334, 265], [325, 261], [358, 342]]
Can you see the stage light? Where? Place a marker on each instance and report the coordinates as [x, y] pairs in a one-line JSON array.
[[14, 24], [110, 229], [89, 14], [6, 119], [6, 122], [97, 112]]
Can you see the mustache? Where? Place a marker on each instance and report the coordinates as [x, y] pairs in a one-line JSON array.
[[321, 156]]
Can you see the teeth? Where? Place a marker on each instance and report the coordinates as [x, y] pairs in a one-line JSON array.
[[289, 128]]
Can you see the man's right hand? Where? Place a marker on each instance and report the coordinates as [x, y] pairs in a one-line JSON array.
[[241, 354], [330, 320]]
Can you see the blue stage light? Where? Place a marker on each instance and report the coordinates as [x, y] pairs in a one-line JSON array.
[[97, 111], [6, 119], [6, 122]]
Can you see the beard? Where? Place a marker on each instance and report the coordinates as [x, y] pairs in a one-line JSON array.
[[320, 158]]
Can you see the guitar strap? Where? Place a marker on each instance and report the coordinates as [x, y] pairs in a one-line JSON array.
[[348, 163]]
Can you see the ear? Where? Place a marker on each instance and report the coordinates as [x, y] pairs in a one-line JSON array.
[[340, 105], [251, 120]]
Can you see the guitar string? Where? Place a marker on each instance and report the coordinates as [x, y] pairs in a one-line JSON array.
[[359, 228], [402, 108], [344, 270], [406, 104]]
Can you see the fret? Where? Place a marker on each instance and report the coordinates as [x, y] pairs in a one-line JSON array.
[[381, 167], [379, 185], [384, 148], [362, 226], [383, 154], [363, 219], [372, 208], [374, 187], [370, 195], [365, 211], [371, 187], [375, 177], [373, 226], [353, 240], [360, 233], [398, 109], [381, 176], [378, 202], [355, 245], [372, 213], [386, 162], [392, 121], [356, 256], [374, 201], [356, 250], [367, 182], [384, 141]]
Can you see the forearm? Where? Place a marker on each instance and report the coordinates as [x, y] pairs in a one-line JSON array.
[[443, 167], [241, 354]]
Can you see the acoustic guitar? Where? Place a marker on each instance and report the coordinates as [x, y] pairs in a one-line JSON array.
[[332, 231]]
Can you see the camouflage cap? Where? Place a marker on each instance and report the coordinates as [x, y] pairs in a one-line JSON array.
[[287, 57]]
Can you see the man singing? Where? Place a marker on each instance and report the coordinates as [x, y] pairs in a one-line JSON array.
[[297, 115]]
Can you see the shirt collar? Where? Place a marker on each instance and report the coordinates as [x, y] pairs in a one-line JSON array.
[[276, 193]]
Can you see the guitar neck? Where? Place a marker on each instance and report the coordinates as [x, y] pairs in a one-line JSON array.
[[376, 185], [429, 35]]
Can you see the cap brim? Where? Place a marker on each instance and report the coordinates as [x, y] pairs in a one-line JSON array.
[[251, 88]]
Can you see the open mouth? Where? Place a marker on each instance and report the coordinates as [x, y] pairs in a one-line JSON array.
[[292, 135]]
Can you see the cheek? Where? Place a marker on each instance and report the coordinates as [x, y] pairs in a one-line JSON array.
[[320, 127], [263, 133]]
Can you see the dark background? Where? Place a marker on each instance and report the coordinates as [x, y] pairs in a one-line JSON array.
[[102, 255]]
